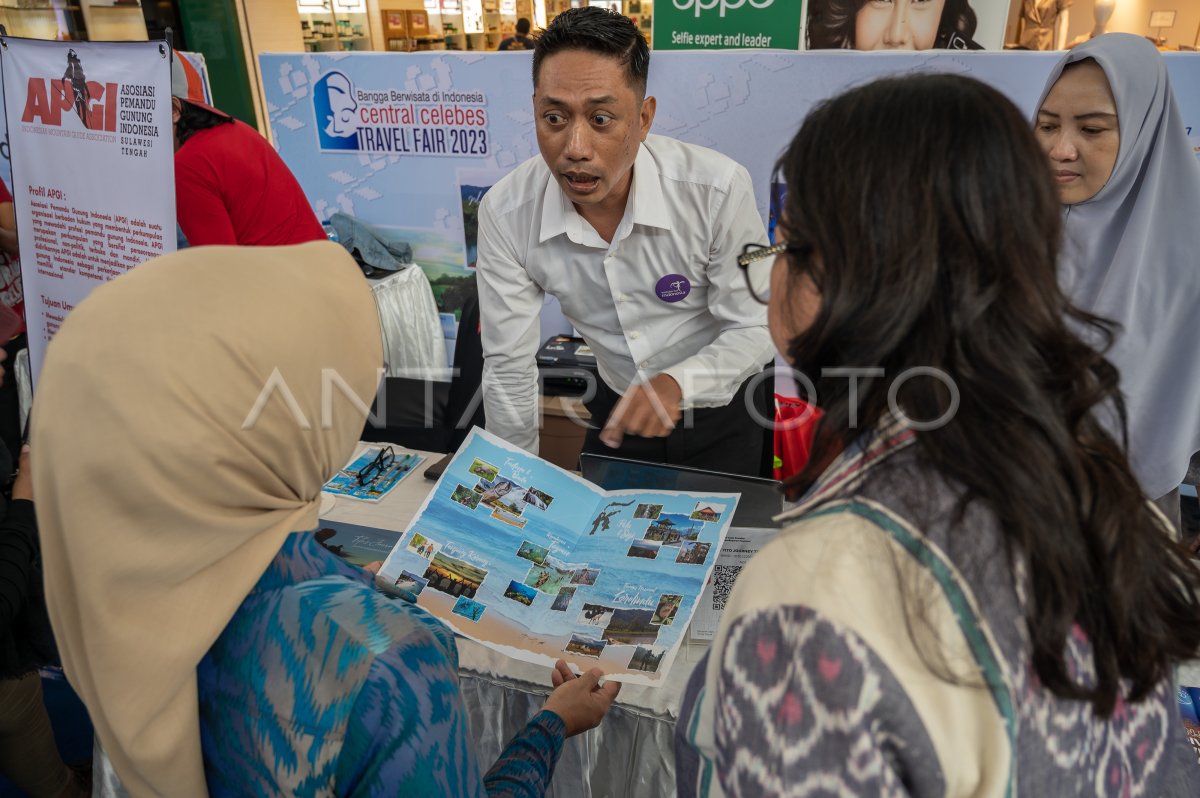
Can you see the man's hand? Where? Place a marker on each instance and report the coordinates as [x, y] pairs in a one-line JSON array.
[[580, 701], [649, 410]]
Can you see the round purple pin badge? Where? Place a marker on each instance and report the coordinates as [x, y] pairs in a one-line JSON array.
[[673, 288]]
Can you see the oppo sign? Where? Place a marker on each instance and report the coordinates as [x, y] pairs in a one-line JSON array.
[[723, 5]]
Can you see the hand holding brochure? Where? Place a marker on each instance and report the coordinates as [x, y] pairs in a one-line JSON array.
[[537, 563]]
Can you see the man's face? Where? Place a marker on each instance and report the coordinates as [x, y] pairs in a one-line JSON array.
[[897, 24], [590, 121]]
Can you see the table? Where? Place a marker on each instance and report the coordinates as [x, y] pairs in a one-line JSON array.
[[630, 754]]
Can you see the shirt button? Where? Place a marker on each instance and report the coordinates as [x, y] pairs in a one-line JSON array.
[[645, 364], [621, 297], [635, 335]]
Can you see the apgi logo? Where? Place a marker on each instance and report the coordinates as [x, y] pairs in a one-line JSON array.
[[335, 106], [94, 103], [723, 5]]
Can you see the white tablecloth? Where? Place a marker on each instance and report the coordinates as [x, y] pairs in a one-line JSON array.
[[630, 754]]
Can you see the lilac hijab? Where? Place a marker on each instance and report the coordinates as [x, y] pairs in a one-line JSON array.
[[1132, 255]]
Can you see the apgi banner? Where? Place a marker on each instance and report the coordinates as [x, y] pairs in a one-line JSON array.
[[410, 142], [93, 172]]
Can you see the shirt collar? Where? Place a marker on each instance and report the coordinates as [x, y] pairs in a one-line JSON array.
[[645, 198], [892, 434]]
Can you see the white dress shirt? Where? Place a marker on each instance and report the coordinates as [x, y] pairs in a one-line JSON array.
[[690, 212]]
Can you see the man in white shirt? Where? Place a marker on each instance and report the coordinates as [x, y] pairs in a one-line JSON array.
[[638, 237]]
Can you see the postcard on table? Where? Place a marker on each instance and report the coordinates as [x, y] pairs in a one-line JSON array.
[[372, 474], [540, 564]]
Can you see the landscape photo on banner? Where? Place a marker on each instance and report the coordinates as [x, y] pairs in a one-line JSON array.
[[410, 142], [84, 117]]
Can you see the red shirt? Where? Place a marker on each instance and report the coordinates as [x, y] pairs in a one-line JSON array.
[[231, 187], [11, 292]]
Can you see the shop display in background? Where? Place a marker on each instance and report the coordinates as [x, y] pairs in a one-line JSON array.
[[334, 25], [72, 20]]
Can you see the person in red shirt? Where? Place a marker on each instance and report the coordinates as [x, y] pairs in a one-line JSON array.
[[231, 187]]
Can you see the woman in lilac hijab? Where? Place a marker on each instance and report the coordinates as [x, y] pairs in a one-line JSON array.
[[1130, 186]]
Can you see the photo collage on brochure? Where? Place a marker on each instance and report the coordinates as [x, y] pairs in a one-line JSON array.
[[533, 561]]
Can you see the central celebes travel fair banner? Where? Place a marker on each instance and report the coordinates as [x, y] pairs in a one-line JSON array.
[[409, 142], [90, 133]]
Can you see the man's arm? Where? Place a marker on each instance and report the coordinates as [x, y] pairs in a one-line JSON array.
[[510, 306], [744, 343]]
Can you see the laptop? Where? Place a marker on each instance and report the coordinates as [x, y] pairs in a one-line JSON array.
[[761, 498]]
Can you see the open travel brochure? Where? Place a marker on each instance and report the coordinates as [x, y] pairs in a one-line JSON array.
[[539, 564]]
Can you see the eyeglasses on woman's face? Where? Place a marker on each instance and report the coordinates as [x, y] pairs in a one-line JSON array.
[[756, 262]]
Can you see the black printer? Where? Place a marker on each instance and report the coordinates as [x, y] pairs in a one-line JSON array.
[[566, 366]]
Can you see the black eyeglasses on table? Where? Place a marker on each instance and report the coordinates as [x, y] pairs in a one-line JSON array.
[[374, 469]]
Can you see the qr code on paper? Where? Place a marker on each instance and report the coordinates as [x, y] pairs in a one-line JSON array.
[[723, 577]]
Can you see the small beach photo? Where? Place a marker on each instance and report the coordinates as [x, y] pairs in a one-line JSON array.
[[549, 577], [454, 576], [407, 586], [422, 546]]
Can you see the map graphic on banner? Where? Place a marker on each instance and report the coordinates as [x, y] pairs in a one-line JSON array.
[[745, 104], [539, 564], [84, 118]]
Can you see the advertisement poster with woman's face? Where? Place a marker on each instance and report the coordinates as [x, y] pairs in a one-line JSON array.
[[906, 24]]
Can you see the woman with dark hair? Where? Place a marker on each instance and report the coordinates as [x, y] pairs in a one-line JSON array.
[[972, 596], [891, 25]]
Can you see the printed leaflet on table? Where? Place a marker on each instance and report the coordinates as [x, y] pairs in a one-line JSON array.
[[383, 470]]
